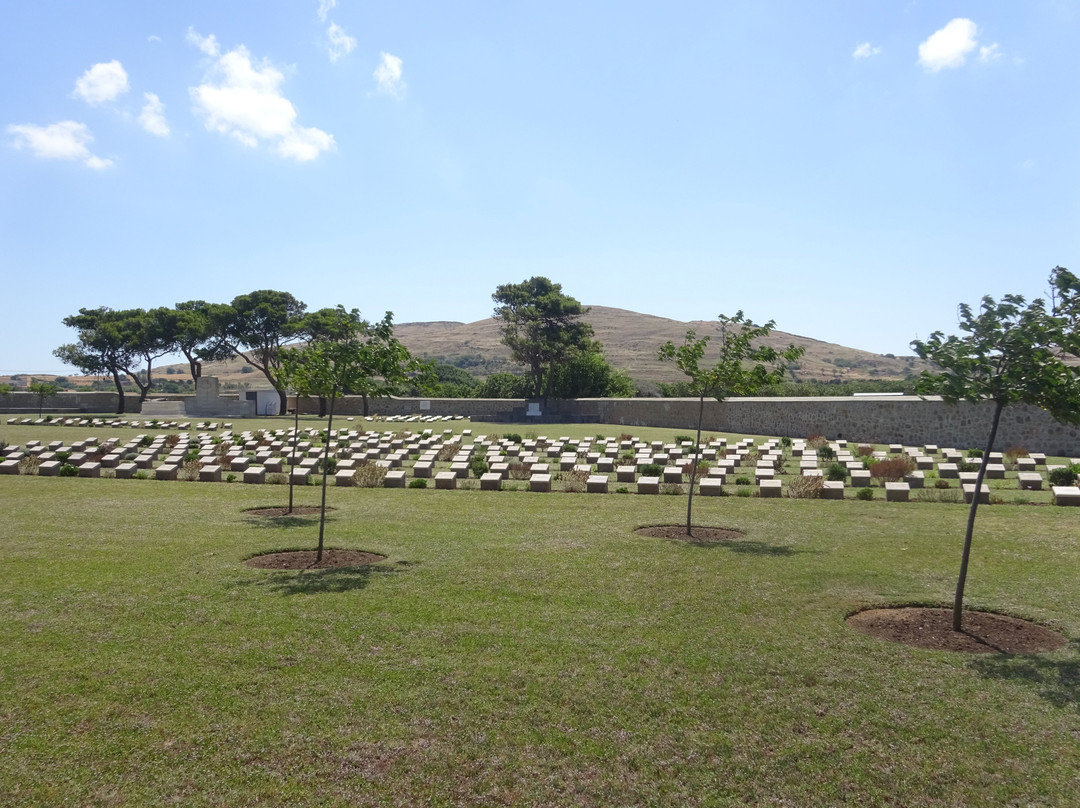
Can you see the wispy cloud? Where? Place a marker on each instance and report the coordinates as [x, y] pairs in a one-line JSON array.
[[324, 8], [340, 42], [388, 76], [949, 46], [102, 82], [152, 117], [153, 38], [207, 44], [67, 140], [989, 53], [865, 51], [244, 100]]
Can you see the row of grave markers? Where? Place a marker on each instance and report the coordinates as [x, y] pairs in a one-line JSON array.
[[253, 459]]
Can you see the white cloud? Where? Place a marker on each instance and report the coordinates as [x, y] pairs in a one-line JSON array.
[[388, 79], [989, 53], [865, 51], [244, 101], [207, 44], [153, 38], [324, 8], [340, 42], [67, 140], [152, 117], [949, 46], [102, 82]]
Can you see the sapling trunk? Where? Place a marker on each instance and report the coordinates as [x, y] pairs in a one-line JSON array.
[[958, 602], [292, 454], [325, 470], [693, 466]]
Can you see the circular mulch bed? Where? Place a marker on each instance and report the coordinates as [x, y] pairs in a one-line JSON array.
[[703, 534], [298, 510], [929, 627], [305, 560]]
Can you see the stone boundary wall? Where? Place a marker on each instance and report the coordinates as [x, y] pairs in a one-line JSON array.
[[909, 420], [23, 402]]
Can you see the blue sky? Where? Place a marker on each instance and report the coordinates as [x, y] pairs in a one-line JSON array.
[[852, 170]]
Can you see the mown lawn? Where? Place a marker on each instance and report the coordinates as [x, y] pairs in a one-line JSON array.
[[519, 649]]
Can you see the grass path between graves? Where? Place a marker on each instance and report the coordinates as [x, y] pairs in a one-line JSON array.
[[519, 649]]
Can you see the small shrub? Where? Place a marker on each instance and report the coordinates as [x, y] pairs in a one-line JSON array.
[[752, 457], [61, 456], [680, 438], [941, 485], [672, 489], [964, 465], [574, 481], [1015, 453], [826, 453], [701, 471], [29, 465], [446, 453], [513, 437], [1066, 475], [230, 478], [369, 475], [68, 470], [652, 470], [625, 436], [627, 457], [743, 481], [518, 471], [805, 487], [189, 471], [277, 478], [778, 464], [865, 493], [419, 482], [141, 474], [146, 440], [191, 454], [622, 490], [466, 485], [331, 465], [894, 469], [171, 440], [743, 492], [837, 472], [974, 453], [478, 466], [785, 442], [816, 441], [864, 450]]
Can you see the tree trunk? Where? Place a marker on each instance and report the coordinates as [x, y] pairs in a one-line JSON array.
[[283, 401], [120, 391], [363, 397], [958, 602], [693, 466], [322, 406], [325, 471]]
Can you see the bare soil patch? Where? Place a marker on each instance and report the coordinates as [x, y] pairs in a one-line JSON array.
[[305, 560], [298, 510], [929, 627], [700, 534]]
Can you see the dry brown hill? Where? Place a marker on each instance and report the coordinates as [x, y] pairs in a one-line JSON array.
[[630, 340]]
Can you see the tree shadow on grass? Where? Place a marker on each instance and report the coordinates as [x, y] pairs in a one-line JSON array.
[[748, 547], [322, 581], [1056, 680], [279, 522]]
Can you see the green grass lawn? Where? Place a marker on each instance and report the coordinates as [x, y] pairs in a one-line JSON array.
[[519, 649]]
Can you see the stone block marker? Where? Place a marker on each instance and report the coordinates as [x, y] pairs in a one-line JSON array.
[[916, 479], [394, 479], [255, 475], [712, 486], [491, 481], [446, 479], [984, 493], [540, 482], [995, 471], [344, 478], [1030, 480], [672, 474], [948, 471], [833, 489], [648, 485], [210, 474], [125, 471], [897, 492], [1066, 494], [9, 467], [625, 474], [860, 478], [166, 471], [50, 468], [770, 489], [597, 484], [423, 468]]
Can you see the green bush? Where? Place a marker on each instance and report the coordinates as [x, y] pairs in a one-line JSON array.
[[974, 453], [68, 470], [837, 472], [1066, 475], [652, 470], [513, 437], [826, 453], [419, 482], [743, 481], [785, 441], [622, 490], [865, 493], [478, 466]]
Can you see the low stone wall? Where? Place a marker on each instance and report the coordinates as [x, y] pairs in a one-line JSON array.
[[21, 401]]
